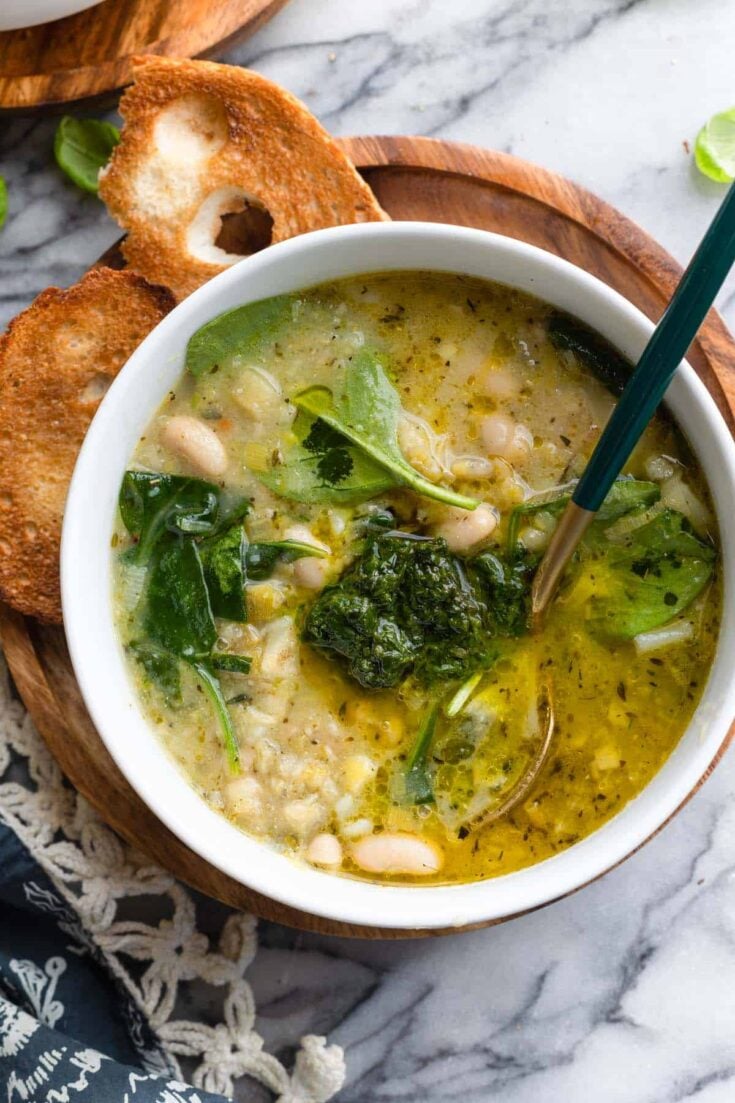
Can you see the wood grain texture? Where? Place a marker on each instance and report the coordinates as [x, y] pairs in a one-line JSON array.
[[413, 178], [88, 55]]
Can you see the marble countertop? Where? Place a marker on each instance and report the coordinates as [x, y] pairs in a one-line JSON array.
[[623, 993]]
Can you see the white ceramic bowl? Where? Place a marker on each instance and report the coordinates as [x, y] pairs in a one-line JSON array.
[[86, 575], [15, 14]]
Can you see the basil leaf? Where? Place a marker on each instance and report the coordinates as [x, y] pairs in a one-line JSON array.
[[419, 788], [3, 201], [223, 559], [150, 504], [82, 147], [366, 411], [178, 615], [651, 577], [261, 558], [593, 351], [244, 331]]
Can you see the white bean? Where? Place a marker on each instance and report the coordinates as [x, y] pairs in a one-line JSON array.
[[463, 528], [420, 445], [534, 540], [325, 850], [310, 572], [303, 816], [473, 467], [499, 383], [196, 443], [397, 853], [243, 797], [503, 436]]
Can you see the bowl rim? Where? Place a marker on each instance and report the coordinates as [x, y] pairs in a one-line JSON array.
[[97, 657]]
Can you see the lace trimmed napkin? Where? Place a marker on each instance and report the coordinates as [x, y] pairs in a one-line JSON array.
[[99, 949]]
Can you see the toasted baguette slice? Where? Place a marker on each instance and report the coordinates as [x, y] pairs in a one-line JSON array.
[[201, 141], [56, 362]]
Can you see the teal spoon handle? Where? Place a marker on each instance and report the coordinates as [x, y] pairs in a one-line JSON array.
[[661, 357]]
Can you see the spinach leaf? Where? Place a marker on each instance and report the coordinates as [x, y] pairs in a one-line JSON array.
[[161, 669], [668, 533], [261, 558], [418, 784], [649, 578], [366, 411], [82, 147], [210, 685], [231, 664], [178, 614], [598, 355], [223, 559], [626, 495], [244, 331], [152, 503], [322, 466], [189, 581], [230, 512]]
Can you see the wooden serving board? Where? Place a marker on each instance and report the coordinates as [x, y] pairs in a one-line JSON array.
[[414, 178], [88, 55]]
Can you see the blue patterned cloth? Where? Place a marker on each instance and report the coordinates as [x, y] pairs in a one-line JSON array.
[[68, 1032]]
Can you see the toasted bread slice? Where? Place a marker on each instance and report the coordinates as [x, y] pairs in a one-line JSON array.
[[202, 141], [56, 362]]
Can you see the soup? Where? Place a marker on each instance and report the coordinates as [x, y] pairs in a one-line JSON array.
[[322, 567]]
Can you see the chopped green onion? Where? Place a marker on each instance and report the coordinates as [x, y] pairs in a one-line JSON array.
[[462, 696], [419, 789]]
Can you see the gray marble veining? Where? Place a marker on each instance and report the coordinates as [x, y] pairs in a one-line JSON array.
[[624, 992]]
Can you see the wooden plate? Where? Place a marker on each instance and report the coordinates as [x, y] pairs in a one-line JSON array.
[[88, 55], [414, 178]]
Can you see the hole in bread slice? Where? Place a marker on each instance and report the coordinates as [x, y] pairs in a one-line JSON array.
[[246, 231], [229, 224]]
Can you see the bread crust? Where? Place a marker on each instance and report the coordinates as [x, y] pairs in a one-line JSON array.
[[56, 360], [195, 129]]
